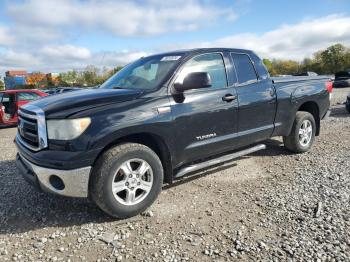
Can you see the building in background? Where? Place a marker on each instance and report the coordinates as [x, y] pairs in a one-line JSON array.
[[18, 79], [14, 78]]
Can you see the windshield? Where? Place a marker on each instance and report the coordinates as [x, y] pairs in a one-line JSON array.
[[145, 73]]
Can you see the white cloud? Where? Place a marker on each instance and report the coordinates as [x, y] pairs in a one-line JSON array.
[[122, 17], [5, 36], [294, 41], [63, 58], [66, 52], [40, 32], [290, 41]]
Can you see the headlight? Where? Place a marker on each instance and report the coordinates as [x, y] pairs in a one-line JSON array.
[[67, 129]]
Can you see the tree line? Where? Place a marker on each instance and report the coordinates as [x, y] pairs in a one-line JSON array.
[[91, 76], [324, 62]]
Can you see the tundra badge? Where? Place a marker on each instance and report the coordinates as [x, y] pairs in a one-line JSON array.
[[206, 136]]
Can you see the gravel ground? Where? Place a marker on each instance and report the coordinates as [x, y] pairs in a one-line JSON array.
[[270, 206]]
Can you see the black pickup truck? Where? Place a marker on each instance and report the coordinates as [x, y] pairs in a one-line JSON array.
[[160, 118]]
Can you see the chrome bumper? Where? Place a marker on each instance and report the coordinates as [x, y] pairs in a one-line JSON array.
[[75, 181]]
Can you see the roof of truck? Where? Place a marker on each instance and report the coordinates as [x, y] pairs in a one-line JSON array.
[[204, 50]]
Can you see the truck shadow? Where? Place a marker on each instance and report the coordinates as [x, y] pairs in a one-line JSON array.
[[274, 148], [23, 209], [339, 112]]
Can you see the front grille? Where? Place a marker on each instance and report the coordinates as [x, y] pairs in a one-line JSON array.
[[32, 127], [28, 130]]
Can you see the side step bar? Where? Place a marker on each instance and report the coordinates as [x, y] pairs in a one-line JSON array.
[[218, 160]]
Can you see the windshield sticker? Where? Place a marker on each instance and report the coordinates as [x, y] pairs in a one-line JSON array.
[[171, 58]]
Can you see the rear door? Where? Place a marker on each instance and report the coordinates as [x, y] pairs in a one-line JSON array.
[[205, 122], [257, 102]]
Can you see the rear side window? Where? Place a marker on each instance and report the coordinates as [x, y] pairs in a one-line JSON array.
[[244, 68], [6, 98], [27, 96], [212, 63], [1, 95]]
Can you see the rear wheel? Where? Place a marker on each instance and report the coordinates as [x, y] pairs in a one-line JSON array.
[[127, 179], [302, 135]]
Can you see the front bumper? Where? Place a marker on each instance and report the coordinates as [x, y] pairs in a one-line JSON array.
[[71, 183]]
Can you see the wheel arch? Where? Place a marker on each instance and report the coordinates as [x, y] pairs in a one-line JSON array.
[[154, 142], [312, 108]]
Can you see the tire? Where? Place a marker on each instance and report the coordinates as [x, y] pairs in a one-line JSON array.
[[347, 107], [295, 142], [113, 168]]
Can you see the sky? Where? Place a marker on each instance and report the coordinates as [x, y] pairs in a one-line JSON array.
[[60, 35]]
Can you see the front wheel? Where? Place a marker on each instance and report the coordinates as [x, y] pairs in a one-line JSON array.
[[126, 180], [303, 133]]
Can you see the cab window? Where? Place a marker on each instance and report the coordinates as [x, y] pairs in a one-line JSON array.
[[212, 63], [245, 70]]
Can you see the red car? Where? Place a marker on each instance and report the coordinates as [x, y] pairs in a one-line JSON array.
[[11, 100]]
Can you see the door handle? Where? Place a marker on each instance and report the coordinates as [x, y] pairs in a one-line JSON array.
[[229, 98], [272, 92]]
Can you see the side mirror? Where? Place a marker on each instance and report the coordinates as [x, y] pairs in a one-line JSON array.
[[194, 80]]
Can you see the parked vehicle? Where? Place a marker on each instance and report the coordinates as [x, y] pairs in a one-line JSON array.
[[347, 103], [67, 89], [307, 73], [342, 79], [60, 90], [12, 100], [160, 118], [50, 91]]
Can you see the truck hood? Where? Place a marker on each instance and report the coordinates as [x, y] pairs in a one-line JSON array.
[[63, 105]]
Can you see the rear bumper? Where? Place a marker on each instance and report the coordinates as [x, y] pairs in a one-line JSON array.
[[71, 183]]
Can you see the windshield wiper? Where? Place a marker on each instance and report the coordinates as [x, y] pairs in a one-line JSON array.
[[120, 87]]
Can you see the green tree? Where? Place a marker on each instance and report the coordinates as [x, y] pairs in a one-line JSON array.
[[329, 61], [90, 76], [2, 85], [69, 78], [334, 58], [269, 67]]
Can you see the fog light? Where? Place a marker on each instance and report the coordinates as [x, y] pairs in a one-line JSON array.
[[56, 182]]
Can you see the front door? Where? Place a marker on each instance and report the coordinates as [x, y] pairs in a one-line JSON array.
[[9, 115], [205, 119], [257, 102]]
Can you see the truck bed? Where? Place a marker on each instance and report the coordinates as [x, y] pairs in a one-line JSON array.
[[285, 79]]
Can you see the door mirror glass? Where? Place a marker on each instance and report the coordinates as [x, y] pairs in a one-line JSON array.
[[194, 80]]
